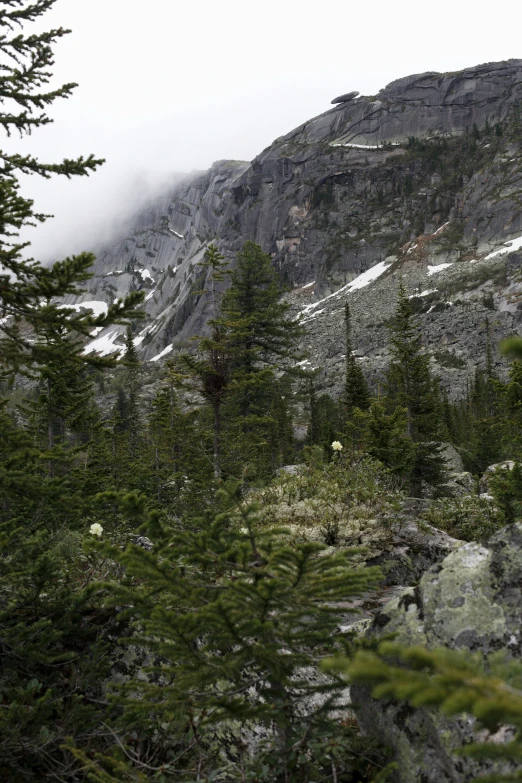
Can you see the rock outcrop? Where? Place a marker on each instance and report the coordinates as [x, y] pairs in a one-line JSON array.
[[472, 600], [422, 181]]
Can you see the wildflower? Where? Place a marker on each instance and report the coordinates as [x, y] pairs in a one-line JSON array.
[[336, 446], [96, 529]]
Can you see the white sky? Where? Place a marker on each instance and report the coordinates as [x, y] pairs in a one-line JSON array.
[[172, 86]]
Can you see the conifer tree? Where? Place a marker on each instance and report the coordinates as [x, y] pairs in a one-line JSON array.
[[174, 441], [411, 387], [456, 683], [49, 654], [244, 614], [356, 393], [262, 330], [386, 439], [211, 367], [131, 388], [26, 284], [512, 403]]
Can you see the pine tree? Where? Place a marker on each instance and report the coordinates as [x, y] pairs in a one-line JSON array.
[[387, 441], [243, 617], [410, 386], [25, 284], [262, 332], [211, 367], [356, 393], [131, 386], [50, 654]]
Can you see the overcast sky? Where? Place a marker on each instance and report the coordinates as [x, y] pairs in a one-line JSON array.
[[170, 86]]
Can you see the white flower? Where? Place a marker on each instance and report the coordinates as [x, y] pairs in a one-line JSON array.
[[96, 529], [336, 446], [244, 530]]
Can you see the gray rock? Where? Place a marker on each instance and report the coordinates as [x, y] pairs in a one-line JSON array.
[[471, 601], [508, 464], [413, 548], [349, 96], [291, 470], [327, 202], [452, 458]]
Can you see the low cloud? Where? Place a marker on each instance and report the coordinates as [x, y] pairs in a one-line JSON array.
[[89, 213]]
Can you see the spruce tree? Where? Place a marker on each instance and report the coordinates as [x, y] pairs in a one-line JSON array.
[[356, 393], [244, 619], [386, 439], [211, 367], [50, 654], [262, 331], [453, 682], [411, 387]]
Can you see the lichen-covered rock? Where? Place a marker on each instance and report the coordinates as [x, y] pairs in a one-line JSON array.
[[413, 548], [354, 504], [490, 471], [452, 458], [460, 484], [471, 600]]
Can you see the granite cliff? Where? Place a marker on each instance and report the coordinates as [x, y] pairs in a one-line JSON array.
[[421, 182]]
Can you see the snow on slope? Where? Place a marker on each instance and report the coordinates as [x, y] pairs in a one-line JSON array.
[[510, 247], [98, 308], [432, 270], [163, 353], [104, 345], [359, 282]]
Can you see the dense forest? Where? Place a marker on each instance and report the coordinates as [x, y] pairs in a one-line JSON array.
[[174, 569]]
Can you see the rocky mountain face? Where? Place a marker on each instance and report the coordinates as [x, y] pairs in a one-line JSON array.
[[422, 182]]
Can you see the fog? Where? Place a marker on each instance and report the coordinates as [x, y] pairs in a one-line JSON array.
[[167, 87]]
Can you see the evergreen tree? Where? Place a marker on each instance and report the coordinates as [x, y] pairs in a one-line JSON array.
[[50, 654], [262, 332], [177, 456], [325, 418], [411, 387], [243, 617], [131, 387], [387, 441], [25, 284], [456, 683], [512, 404], [211, 368], [356, 393]]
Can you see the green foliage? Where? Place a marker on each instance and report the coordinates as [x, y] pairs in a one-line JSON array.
[[242, 622], [326, 417], [505, 485], [454, 682], [341, 502], [387, 440], [356, 393], [51, 656], [411, 387], [469, 518]]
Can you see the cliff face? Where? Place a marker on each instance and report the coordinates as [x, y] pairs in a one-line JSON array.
[[428, 172]]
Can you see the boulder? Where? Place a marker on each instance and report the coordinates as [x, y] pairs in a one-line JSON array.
[[472, 600], [349, 96], [412, 547], [452, 458], [508, 464]]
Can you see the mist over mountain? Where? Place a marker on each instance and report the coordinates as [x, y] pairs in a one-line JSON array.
[[421, 182]]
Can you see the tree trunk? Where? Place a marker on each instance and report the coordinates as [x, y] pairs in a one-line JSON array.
[[217, 439]]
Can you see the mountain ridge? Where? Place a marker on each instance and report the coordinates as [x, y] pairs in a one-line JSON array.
[[339, 194]]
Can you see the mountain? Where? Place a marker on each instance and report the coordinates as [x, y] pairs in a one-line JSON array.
[[421, 182]]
